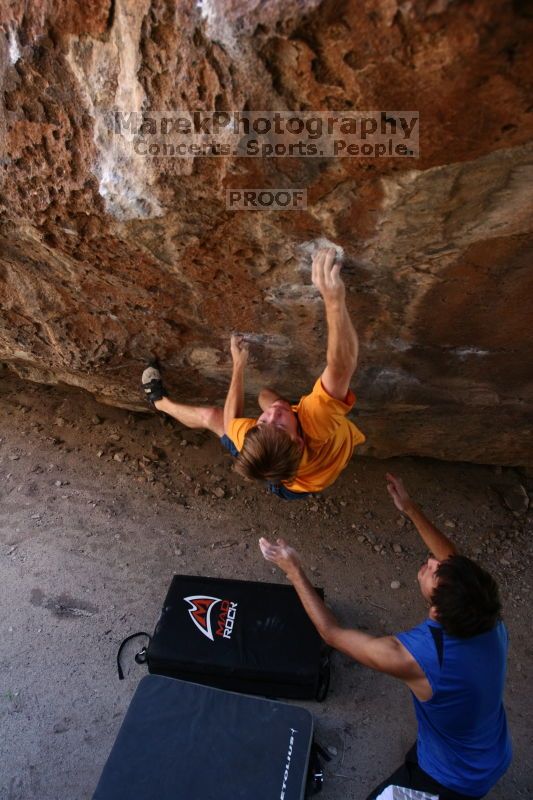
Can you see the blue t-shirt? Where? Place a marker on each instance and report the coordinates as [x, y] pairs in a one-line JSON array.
[[463, 741]]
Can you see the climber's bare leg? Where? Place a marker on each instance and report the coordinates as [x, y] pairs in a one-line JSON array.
[[208, 417]]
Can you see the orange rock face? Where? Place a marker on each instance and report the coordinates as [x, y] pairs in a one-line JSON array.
[[108, 256]]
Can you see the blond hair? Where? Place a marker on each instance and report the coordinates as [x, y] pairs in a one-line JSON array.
[[268, 454]]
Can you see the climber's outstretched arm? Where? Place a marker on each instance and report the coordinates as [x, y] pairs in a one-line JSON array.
[[343, 344], [234, 405]]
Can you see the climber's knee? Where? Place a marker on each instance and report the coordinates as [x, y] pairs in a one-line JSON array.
[[212, 418]]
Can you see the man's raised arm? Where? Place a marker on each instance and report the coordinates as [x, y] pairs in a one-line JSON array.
[[234, 405], [343, 344], [384, 653], [268, 396], [435, 540]]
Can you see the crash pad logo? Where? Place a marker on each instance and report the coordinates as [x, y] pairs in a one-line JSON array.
[[200, 611]]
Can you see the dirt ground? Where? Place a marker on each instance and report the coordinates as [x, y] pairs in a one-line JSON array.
[[99, 507]]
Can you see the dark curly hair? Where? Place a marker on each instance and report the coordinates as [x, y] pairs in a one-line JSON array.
[[268, 454], [466, 599]]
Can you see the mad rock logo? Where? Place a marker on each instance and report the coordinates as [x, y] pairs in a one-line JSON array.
[[201, 611]]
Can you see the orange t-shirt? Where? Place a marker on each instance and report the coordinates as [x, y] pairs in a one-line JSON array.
[[329, 438]]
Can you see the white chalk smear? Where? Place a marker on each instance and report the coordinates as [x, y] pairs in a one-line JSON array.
[[464, 352], [13, 45]]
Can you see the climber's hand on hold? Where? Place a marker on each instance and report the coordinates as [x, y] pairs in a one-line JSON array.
[[239, 350], [326, 276]]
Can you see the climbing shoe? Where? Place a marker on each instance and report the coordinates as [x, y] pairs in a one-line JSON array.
[[152, 384]]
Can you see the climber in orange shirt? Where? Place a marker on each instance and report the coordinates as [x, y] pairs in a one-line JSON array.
[[296, 448]]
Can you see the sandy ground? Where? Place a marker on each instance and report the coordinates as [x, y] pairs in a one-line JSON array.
[[100, 507]]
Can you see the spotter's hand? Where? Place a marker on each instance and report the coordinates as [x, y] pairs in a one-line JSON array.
[[281, 554], [398, 492]]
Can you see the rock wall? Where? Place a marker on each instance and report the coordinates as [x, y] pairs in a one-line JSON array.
[[107, 257]]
